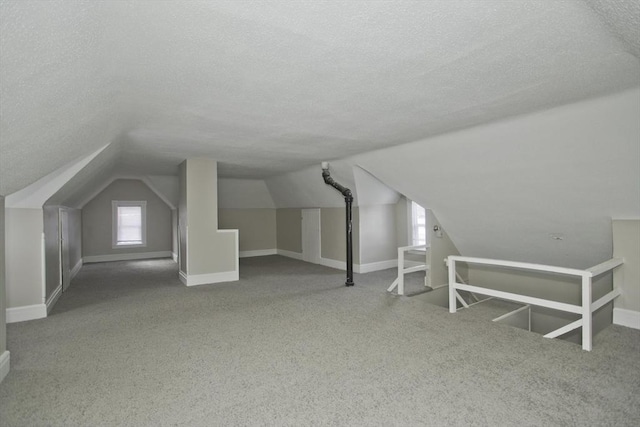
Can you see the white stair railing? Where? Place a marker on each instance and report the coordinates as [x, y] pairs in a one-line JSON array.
[[399, 282], [586, 309]]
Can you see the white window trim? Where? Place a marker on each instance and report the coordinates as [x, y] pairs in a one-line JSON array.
[[114, 223], [413, 225]]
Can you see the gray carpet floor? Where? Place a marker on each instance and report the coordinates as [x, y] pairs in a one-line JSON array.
[[288, 344]]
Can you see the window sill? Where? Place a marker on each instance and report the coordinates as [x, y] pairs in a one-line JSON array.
[[126, 246]]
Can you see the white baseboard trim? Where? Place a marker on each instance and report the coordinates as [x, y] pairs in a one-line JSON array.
[[174, 256], [53, 298], [289, 254], [126, 257], [4, 365], [340, 265], [75, 270], [258, 252], [375, 266], [205, 279], [27, 312], [628, 318], [360, 268]]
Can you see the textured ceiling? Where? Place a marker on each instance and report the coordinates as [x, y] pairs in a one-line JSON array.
[[274, 86]]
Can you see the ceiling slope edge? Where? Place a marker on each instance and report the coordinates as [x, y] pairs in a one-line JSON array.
[[106, 183], [36, 194], [503, 190], [306, 188], [371, 190]]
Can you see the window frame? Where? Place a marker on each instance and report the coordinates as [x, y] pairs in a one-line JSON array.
[[414, 226], [115, 204]]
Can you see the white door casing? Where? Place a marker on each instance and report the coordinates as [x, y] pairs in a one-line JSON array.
[[311, 235]]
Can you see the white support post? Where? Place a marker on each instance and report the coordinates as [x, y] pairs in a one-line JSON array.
[[587, 314], [400, 271], [452, 281]]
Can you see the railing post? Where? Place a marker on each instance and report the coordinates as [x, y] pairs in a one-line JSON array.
[[587, 315], [400, 271], [452, 291]]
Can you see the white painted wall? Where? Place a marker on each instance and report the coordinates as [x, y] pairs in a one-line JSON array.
[[441, 248], [256, 228], [371, 191], [502, 188], [377, 233], [211, 254], [167, 185], [90, 180], [3, 299], [289, 230], [306, 188], [333, 235], [97, 237], [244, 194], [626, 244], [311, 251], [36, 194], [51, 228], [23, 257], [74, 237]]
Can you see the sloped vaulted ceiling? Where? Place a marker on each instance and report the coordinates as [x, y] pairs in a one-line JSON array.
[[271, 87]]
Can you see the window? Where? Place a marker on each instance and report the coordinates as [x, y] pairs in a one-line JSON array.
[[418, 224], [129, 224]]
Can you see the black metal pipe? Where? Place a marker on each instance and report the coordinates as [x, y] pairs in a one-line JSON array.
[[348, 198]]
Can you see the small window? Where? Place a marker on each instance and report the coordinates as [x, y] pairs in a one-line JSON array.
[[418, 224], [129, 224]]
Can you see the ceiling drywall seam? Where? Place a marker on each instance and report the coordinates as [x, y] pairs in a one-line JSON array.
[[36, 194]]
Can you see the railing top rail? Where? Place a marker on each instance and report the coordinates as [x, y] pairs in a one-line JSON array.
[[597, 270], [408, 248], [520, 265]]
